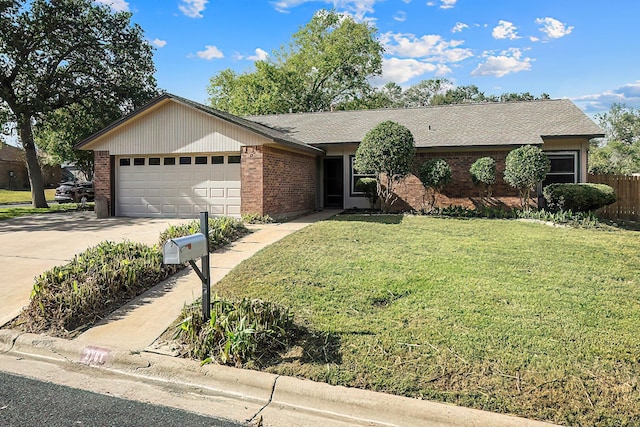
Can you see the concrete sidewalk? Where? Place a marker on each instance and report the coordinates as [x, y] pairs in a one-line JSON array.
[[138, 324], [122, 346]]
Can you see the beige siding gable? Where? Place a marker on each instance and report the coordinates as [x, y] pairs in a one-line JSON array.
[[176, 128]]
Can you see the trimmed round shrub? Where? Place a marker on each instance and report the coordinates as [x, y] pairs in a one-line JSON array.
[[578, 197], [435, 173], [483, 171], [525, 167]]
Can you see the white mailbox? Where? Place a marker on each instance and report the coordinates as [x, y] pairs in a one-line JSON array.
[[185, 249]]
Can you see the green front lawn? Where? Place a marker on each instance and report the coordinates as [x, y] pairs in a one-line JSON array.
[[23, 196], [499, 315]]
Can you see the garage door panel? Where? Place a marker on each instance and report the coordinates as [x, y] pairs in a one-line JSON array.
[[217, 210], [217, 193], [233, 210], [200, 192], [169, 209], [233, 174], [177, 190]]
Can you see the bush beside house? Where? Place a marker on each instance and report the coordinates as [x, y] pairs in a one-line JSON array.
[[578, 197]]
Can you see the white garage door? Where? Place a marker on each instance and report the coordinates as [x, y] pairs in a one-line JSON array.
[[178, 186]]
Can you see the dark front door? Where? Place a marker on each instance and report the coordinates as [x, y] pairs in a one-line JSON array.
[[333, 183]]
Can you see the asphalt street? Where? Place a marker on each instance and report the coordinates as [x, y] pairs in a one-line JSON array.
[[27, 402]]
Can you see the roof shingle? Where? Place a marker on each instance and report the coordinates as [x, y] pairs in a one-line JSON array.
[[461, 125]]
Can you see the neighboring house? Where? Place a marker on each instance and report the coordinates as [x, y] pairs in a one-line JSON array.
[[174, 157], [13, 170]]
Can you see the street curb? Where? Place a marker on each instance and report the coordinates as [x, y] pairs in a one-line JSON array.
[[283, 399], [7, 338], [374, 408]]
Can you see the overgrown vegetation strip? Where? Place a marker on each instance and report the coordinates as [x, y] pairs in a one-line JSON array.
[[69, 298]]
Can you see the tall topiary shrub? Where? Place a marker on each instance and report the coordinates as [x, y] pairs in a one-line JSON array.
[[483, 173], [387, 152], [525, 168], [434, 175]]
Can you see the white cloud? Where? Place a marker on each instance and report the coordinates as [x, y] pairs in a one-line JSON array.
[[402, 70], [117, 5], [628, 94], [447, 4], [400, 16], [505, 30], [507, 62], [159, 43], [430, 3], [534, 39], [357, 8], [209, 53], [553, 28], [193, 8], [432, 47], [459, 27], [260, 55]]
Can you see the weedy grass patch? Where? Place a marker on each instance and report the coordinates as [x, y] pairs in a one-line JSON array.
[[500, 315], [222, 231]]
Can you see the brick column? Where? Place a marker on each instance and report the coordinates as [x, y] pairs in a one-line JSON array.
[[252, 190], [102, 182]]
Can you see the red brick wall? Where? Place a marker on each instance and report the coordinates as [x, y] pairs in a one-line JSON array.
[[251, 169], [277, 182], [461, 190], [289, 182], [102, 175]]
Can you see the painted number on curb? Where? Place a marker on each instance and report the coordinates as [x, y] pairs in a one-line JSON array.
[[94, 355]]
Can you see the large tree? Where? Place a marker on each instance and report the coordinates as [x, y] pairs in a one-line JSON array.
[[327, 64], [58, 54]]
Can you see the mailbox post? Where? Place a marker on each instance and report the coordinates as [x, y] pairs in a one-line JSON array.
[[187, 249]]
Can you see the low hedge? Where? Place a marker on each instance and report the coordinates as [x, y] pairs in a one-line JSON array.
[[578, 197]]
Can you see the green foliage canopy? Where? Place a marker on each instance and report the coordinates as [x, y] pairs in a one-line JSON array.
[[619, 152], [328, 62], [59, 53]]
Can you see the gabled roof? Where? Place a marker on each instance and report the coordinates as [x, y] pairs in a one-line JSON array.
[[461, 125], [258, 128], [9, 153]]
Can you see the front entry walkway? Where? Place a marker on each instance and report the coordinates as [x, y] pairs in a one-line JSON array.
[[138, 324]]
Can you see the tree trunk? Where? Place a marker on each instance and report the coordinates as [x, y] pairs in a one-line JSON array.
[[33, 166]]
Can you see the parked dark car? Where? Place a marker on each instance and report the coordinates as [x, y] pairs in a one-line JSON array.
[[73, 192]]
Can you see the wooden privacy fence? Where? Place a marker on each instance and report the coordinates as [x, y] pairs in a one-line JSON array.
[[627, 189]]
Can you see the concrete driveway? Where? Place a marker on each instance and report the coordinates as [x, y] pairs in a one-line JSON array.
[[31, 245]]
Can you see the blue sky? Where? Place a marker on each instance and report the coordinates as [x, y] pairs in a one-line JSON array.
[[585, 50]]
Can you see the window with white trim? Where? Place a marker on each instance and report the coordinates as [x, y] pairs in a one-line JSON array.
[[564, 167], [355, 176]]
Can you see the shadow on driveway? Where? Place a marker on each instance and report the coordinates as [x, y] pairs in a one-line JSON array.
[[76, 221]]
